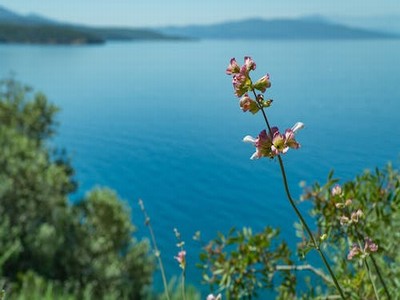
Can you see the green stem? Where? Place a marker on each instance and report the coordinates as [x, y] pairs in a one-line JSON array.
[[360, 237], [371, 279], [380, 277], [182, 263], [298, 213], [183, 284], [304, 223], [156, 251]]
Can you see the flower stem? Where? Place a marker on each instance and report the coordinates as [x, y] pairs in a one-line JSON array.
[[156, 251], [293, 204], [378, 271], [298, 213], [380, 277], [307, 228], [371, 279], [183, 284]]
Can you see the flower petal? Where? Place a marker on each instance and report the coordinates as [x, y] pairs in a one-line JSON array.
[[297, 126], [255, 156], [249, 139]]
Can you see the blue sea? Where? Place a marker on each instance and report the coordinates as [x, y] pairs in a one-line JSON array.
[[159, 121]]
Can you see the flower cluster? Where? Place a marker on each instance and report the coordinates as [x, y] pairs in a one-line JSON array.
[[351, 217], [356, 251], [274, 143], [181, 257], [242, 84], [348, 217], [268, 144]]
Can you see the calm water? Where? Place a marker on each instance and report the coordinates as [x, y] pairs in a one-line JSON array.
[[159, 121]]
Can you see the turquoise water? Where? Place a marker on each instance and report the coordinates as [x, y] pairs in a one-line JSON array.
[[159, 121]]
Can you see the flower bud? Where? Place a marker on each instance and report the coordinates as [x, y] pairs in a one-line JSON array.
[[249, 63], [262, 84], [344, 220], [233, 67], [336, 190], [267, 103], [354, 217], [348, 202], [339, 205], [248, 104]]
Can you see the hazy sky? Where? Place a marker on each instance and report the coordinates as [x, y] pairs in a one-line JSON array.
[[177, 12]]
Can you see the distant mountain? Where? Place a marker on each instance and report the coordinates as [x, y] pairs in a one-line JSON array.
[[314, 27], [38, 19], [7, 15], [10, 17], [125, 34], [45, 34], [385, 23], [32, 28], [36, 29]]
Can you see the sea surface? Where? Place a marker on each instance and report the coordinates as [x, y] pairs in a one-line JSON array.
[[159, 121]]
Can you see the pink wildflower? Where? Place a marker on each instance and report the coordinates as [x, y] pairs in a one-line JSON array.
[[270, 146], [354, 251], [181, 258], [248, 104], [370, 246], [262, 84], [279, 143], [249, 63], [262, 143], [233, 67], [282, 142], [290, 141], [240, 83], [336, 190]]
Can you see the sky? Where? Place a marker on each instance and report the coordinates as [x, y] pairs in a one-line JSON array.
[[153, 13]]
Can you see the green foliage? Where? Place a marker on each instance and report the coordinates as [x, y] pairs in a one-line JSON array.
[[242, 263], [32, 117], [110, 259], [47, 245], [34, 287], [377, 195], [175, 291]]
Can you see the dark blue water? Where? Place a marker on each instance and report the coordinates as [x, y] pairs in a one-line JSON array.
[[159, 121]]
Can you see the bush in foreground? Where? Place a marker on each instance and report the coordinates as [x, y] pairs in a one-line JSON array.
[[79, 250]]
